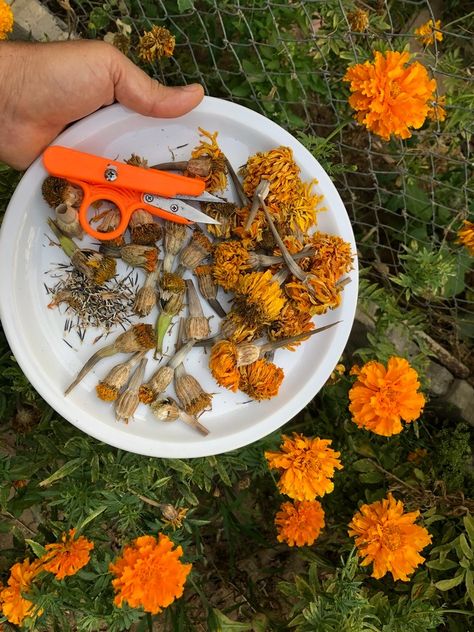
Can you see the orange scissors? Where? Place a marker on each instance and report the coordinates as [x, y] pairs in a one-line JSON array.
[[129, 188]]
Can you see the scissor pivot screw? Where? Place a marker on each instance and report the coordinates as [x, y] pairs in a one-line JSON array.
[[148, 198], [174, 208], [110, 174]]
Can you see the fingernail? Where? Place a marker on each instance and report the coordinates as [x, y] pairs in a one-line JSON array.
[[192, 87]]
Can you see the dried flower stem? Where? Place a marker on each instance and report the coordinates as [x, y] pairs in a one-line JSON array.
[[137, 338], [264, 261], [195, 166], [237, 183]]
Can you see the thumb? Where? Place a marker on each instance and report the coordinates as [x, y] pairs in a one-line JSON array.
[[136, 90]]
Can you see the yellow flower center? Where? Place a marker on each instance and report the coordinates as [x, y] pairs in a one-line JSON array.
[[392, 537]]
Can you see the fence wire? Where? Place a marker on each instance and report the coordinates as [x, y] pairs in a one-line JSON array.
[[287, 59]]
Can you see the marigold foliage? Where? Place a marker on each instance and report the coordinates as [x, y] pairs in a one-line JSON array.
[[149, 574], [388, 537], [14, 605], [67, 557], [6, 20], [427, 33], [389, 95], [306, 466], [299, 523], [382, 398]]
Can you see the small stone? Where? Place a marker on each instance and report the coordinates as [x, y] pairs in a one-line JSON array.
[[461, 395], [440, 379]]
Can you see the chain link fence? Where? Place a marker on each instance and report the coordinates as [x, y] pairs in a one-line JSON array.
[[286, 59]]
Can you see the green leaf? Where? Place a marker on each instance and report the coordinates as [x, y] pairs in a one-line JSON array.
[[179, 466], [185, 5], [371, 477], [469, 526], [364, 465], [447, 584], [38, 549], [444, 565], [466, 549], [90, 517], [470, 584], [218, 622], [63, 471]]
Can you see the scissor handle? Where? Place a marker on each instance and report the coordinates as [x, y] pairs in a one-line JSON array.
[[126, 201]]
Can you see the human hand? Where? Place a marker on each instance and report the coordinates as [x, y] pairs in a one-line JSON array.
[[43, 87]]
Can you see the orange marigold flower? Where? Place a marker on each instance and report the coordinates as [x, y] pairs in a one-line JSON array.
[[217, 178], [223, 364], [390, 97], [67, 557], [387, 537], [14, 605], [149, 574], [382, 397], [155, 44], [231, 259], [261, 379], [306, 465], [437, 110], [299, 523], [466, 236], [258, 298], [6, 20], [427, 33]]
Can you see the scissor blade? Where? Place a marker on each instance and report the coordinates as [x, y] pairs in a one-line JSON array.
[[204, 197], [179, 207]]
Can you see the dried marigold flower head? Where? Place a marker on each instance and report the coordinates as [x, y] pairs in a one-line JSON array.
[[57, 191], [149, 574], [382, 397], [291, 322], [15, 607], [358, 20], [121, 42], [389, 538], [155, 44], [226, 214], [466, 236], [139, 337], [235, 327], [6, 20], [67, 557], [254, 235], [279, 168], [389, 96], [436, 111], [171, 283], [316, 295], [143, 229], [223, 366], [258, 298], [137, 161], [231, 259], [145, 257], [299, 523], [196, 251], [306, 465], [217, 178], [332, 255], [300, 213], [261, 379], [190, 393], [428, 32]]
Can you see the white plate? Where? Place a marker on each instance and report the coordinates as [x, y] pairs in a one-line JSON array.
[[35, 333]]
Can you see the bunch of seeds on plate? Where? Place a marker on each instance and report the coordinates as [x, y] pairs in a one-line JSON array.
[[266, 254]]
